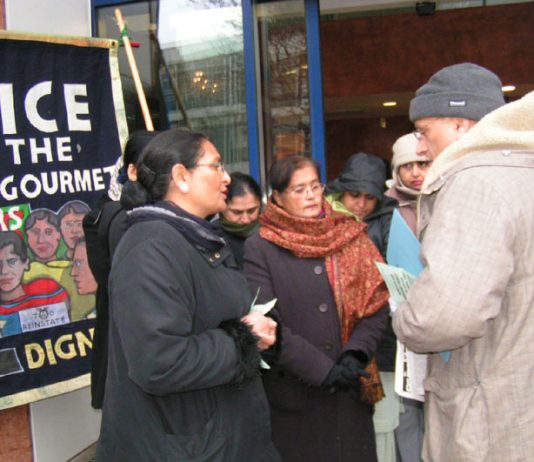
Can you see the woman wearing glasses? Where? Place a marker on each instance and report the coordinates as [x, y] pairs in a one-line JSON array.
[[184, 353], [320, 265]]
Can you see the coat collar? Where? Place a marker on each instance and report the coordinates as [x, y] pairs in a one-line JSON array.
[[503, 137]]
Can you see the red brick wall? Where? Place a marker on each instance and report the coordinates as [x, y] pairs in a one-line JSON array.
[[398, 53]]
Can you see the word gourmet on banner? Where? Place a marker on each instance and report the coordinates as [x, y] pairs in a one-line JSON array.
[[62, 123]]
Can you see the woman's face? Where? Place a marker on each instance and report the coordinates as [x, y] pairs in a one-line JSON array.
[[243, 209], [71, 228], [303, 198], [360, 204], [208, 183], [11, 271], [43, 240], [413, 174]]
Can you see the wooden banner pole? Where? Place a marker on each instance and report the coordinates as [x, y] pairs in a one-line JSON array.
[[135, 72]]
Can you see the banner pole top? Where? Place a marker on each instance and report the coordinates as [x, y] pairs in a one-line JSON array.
[[135, 73]]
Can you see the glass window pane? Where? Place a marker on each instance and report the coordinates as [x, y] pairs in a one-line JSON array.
[[284, 78], [191, 64]]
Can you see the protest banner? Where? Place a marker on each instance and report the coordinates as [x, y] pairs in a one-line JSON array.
[[62, 122]]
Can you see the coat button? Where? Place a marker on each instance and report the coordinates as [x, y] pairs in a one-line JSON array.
[[323, 307], [328, 346], [318, 270], [216, 255]]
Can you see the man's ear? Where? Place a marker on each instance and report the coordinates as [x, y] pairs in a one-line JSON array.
[[464, 125]]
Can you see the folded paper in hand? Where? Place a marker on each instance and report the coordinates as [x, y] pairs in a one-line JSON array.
[[263, 308]]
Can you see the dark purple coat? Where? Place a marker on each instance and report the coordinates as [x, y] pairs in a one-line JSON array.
[[308, 422]]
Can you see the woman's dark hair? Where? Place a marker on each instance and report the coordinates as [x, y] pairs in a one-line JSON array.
[[39, 215], [137, 141], [170, 147], [242, 184], [12, 238], [282, 171], [76, 207]]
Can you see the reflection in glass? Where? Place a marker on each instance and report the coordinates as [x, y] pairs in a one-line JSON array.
[[284, 77], [192, 67]]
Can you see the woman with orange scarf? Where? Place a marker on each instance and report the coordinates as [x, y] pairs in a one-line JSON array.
[[320, 266]]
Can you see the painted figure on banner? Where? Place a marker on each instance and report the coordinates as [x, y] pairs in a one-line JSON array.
[[43, 235], [51, 238], [70, 218], [81, 272], [24, 307]]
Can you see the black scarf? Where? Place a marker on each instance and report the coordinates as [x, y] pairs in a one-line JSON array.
[[196, 230]]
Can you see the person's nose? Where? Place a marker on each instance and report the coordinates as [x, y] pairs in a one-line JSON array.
[[422, 148], [416, 171], [308, 193], [3, 267], [245, 219], [226, 178], [360, 202]]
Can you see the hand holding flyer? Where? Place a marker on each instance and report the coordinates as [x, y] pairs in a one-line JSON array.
[[263, 308]]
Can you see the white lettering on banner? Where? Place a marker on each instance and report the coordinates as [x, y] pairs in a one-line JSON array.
[[82, 180], [15, 145], [12, 216], [10, 194], [7, 111], [29, 191], [73, 107], [63, 181], [63, 146], [40, 148], [33, 96]]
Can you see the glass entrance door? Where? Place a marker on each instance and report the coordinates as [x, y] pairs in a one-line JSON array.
[[284, 82]]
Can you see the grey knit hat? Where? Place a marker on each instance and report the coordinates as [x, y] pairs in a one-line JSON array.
[[463, 90]]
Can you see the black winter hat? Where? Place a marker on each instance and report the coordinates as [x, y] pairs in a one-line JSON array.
[[361, 173]]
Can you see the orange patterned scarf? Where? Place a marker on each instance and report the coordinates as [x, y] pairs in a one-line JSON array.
[[350, 258]]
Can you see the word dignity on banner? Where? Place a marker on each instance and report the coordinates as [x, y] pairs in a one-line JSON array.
[[50, 148]]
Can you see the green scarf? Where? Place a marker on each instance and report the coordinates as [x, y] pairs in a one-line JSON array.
[[335, 202], [237, 229]]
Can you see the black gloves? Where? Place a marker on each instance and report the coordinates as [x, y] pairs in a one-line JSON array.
[[352, 364], [345, 374]]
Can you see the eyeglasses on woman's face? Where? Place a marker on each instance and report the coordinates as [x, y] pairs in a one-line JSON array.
[[302, 191], [214, 165]]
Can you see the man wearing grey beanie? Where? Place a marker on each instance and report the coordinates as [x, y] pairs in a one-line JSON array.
[[450, 103], [473, 303]]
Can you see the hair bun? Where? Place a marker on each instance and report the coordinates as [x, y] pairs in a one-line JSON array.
[[134, 194]]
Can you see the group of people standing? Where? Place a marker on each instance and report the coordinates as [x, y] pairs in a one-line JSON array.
[[197, 369]]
